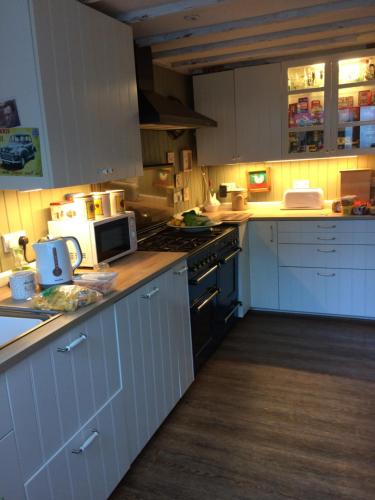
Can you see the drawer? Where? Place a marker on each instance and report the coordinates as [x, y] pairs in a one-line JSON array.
[[327, 226], [330, 256], [5, 416], [91, 463], [328, 238], [343, 292], [59, 387]]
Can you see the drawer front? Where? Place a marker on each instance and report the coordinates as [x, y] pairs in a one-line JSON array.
[[61, 386], [90, 465], [328, 256], [327, 226], [343, 292], [5, 416], [328, 238]]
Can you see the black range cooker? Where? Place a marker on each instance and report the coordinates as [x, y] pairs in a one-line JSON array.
[[212, 274]]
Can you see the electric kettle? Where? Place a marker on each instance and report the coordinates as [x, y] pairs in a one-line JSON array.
[[53, 261]]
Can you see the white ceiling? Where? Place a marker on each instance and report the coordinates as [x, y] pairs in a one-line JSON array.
[[194, 35]]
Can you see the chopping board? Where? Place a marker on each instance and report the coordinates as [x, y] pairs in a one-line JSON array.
[[230, 216]]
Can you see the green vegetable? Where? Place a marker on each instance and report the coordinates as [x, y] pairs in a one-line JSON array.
[[192, 219]]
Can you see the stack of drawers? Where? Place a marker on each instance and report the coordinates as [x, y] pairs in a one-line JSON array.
[[327, 267]]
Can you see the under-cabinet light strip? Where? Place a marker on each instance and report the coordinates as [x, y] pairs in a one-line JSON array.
[[311, 159]]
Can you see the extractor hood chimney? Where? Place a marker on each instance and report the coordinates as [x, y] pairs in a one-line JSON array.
[[157, 112]]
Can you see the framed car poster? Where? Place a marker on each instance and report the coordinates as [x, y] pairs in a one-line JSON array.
[[20, 152]]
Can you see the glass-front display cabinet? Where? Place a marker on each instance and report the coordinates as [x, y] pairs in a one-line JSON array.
[[356, 104], [308, 87]]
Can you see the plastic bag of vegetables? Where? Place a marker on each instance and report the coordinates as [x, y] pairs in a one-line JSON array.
[[65, 298]]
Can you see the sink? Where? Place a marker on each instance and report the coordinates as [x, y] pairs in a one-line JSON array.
[[15, 323]]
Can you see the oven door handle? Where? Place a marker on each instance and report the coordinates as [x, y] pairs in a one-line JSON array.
[[207, 300], [228, 316], [203, 276], [230, 256]]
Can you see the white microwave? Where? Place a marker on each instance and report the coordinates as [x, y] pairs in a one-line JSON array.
[[101, 240]]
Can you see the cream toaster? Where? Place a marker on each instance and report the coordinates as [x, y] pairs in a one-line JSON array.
[[306, 198]]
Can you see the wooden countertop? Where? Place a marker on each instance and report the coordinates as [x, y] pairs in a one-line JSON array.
[[134, 271]]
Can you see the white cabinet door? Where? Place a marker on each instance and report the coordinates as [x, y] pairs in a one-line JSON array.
[[11, 484], [81, 91], [214, 97], [258, 91], [264, 292]]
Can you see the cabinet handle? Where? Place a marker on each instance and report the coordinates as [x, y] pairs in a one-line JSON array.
[[325, 251], [203, 276], [86, 444], [326, 227], [153, 292], [73, 344], [326, 239], [271, 234], [181, 271], [323, 275]]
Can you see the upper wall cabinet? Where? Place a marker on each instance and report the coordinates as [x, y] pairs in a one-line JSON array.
[[70, 70], [329, 106], [246, 103]]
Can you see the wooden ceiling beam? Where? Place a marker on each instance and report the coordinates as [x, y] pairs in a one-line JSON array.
[[251, 54], [148, 13], [265, 37], [250, 22]]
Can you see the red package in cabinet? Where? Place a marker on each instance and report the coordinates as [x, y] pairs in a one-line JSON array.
[[364, 97]]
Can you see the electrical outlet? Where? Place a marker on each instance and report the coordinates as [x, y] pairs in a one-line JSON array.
[[10, 240]]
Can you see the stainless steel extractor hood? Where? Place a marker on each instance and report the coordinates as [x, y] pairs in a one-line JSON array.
[[157, 112]]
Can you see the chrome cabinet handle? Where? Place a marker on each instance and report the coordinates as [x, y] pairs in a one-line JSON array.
[[209, 299], [325, 251], [203, 276], [271, 235], [325, 239], [228, 316], [153, 292], [323, 275], [181, 271], [326, 227], [73, 344], [229, 257], [86, 444]]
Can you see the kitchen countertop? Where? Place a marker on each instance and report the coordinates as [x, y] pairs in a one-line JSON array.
[[273, 210], [134, 271]]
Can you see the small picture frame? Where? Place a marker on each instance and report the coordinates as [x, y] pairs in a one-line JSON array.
[[259, 180], [186, 160], [170, 157]]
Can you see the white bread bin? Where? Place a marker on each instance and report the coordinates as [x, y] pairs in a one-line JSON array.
[[303, 199]]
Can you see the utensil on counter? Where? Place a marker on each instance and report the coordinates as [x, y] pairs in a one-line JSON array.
[[53, 261]]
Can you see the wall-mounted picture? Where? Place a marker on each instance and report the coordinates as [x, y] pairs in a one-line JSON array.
[[20, 152], [259, 180], [9, 114], [186, 160]]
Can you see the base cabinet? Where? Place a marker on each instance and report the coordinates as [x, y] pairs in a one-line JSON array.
[[264, 291], [11, 484]]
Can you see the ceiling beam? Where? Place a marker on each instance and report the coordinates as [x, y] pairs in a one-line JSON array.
[[250, 22], [251, 54], [265, 37], [148, 13]]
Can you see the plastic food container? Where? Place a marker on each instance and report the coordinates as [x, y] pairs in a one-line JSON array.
[[102, 282]]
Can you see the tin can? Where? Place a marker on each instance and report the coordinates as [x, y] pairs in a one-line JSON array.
[[62, 210], [102, 205], [85, 207], [117, 201], [22, 284]]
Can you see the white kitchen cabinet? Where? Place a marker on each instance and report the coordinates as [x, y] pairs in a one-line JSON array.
[[6, 424], [258, 93], [244, 270], [155, 342], [214, 97], [264, 286], [11, 484], [71, 71], [60, 393], [246, 103]]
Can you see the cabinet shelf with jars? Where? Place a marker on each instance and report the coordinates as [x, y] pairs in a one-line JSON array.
[[329, 106]]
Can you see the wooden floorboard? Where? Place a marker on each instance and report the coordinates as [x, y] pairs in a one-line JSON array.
[[285, 409]]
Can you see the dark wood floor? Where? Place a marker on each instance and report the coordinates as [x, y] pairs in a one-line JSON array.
[[285, 409]]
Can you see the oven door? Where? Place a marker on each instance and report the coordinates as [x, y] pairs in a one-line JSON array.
[[227, 302]]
